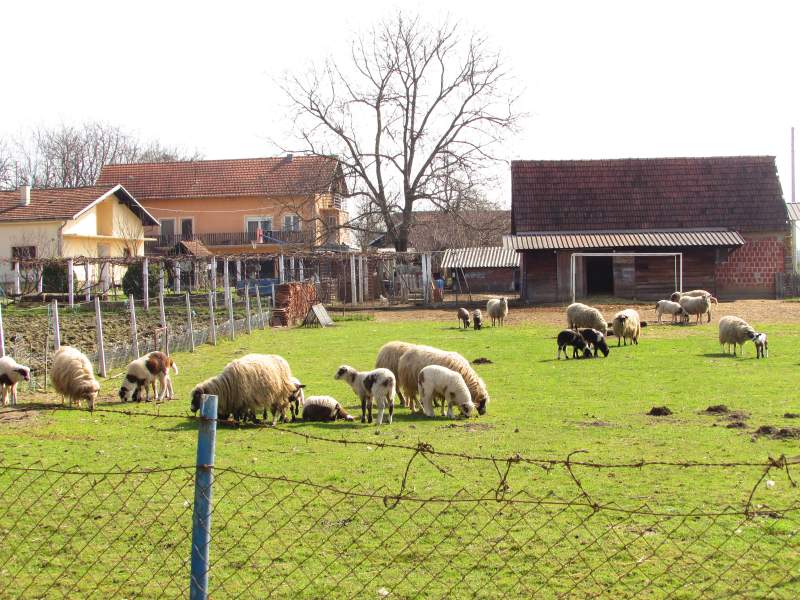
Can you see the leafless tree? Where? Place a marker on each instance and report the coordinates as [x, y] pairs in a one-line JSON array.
[[415, 111], [72, 156]]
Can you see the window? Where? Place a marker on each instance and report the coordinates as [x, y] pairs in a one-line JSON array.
[[291, 223], [23, 252], [258, 228], [187, 228], [167, 230]]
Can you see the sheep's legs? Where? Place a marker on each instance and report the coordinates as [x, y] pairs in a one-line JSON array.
[[14, 394], [381, 407], [391, 409], [369, 408], [427, 404], [363, 410]]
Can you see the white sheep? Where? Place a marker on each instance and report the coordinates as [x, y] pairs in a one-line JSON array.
[[11, 373], [440, 382], [462, 314], [671, 308], [477, 319], [144, 372], [419, 357], [249, 385], [324, 408], [733, 332], [497, 309], [627, 325], [378, 385], [761, 344], [583, 316], [697, 305], [389, 357], [73, 376], [298, 399]]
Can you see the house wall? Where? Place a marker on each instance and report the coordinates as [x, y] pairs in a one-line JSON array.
[[42, 235]]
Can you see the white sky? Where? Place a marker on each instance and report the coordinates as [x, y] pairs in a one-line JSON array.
[[599, 79]]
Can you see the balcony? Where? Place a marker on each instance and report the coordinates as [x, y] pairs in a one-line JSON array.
[[165, 244]]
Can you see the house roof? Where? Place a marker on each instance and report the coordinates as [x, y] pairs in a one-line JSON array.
[[282, 176], [623, 239], [739, 192], [58, 204], [480, 258]]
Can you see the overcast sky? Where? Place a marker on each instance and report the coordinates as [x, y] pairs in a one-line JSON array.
[[599, 79]]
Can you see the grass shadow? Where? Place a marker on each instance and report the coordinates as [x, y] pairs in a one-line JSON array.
[[719, 355]]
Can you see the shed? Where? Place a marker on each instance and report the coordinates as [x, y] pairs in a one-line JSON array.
[[484, 269]]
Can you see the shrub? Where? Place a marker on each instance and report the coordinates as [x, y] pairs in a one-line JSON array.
[[132, 281], [54, 279]]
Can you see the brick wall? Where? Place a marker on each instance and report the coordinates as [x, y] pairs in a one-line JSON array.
[[750, 270]]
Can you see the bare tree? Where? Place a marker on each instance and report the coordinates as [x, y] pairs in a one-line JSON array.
[[72, 156], [416, 110]]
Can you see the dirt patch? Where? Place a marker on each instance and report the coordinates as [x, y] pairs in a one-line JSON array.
[[736, 425], [22, 413], [659, 411], [717, 409], [482, 361], [469, 426], [779, 433], [594, 424], [791, 416]]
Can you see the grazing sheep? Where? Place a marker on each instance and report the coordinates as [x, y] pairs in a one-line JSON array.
[[697, 305], [297, 400], [388, 358], [497, 308], [463, 318], [324, 408], [435, 381], [580, 315], [595, 340], [419, 357], [477, 319], [762, 346], [568, 337], [11, 373], [143, 373], [73, 377], [249, 385], [627, 325], [733, 332], [671, 308], [378, 385]]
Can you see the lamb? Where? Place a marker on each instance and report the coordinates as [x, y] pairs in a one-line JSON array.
[[581, 315], [143, 373], [419, 357], [498, 310], [388, 358], [671, 308], [477, 319], [734, 331], [627, 325], [378, 385], [762, 347], [324, 408], [298, 399], [73, 377], [11, 373], [435, 381], [463, 318], [697, 305], [595, 340], [568, 337], [249, 385]]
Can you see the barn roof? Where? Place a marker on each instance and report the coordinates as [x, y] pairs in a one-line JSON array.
[[623, 239], [794, 210], [480, 258], [741, 193]]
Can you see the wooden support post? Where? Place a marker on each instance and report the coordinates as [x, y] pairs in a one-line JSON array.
[[101, 352], [362, 279], [39, 279], [247, 306], [70, 283], [291, 268], [146, 283], [281, 273], [226, 282], [238, 271], [302, 274], [2, 335], [353, 288], [212, 331], [189, 322], [87, 282], [230, 317], [177, 286], [56, 328], [273, 295], [17, 286], [162, 318], [258, 306], [161, 280], [134, 333]]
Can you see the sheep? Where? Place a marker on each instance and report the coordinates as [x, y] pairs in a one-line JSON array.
[[11, 373], [497, 308], [477, 319], [324, 408], [463, 318], [595, 340], [388, 358], [297, 400], [143, 373], [581, 315], [671, 308], [762, 347], [435, 381], [378, 385], [697, 305], [627, 324], [568, 337], [734, 331], [419, 357], [248, 385], [73, 377]]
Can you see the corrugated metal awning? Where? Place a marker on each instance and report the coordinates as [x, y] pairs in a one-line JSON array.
[[794, 210], [623, 239], [480, 258]]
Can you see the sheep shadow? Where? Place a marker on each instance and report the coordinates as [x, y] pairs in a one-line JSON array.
[[719, 355]]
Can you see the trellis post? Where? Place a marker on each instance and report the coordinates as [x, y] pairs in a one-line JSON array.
[[258, 306], [247, 306], [17, 286], [201, 515], [189, 321], [101, 352], [291, 268], [226, 284], [212, 332], [281, 272], [70, 283], [302, 273], [39, 279], [353, 288], [56, 328], [146, 283], [177, 286], [134, 333], [2, 334], [238, 271], [230, 317], [163, 320]]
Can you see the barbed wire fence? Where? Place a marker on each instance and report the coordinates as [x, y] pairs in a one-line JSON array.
[[128, 531]]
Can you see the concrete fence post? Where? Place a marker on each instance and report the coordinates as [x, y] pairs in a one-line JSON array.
[[70, 283], [247, 306], [134, 333], [56, 328], [177, 286], [87, 282], [17, 286], [212, 331], [203, 483], [101, 352], [230, 317], [189, 323]]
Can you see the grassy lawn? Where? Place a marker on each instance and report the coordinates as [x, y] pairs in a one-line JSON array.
[[115, 535]]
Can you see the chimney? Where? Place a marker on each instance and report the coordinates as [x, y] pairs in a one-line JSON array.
[[289, 157], [24, 195]]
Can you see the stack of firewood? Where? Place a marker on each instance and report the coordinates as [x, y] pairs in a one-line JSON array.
[[292, 302]]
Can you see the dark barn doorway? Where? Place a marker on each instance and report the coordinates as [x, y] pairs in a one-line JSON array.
[[599, 275]]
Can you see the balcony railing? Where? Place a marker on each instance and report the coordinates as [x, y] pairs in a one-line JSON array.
[[235, 238]]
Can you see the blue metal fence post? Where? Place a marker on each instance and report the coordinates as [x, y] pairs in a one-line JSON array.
[[201, 517]]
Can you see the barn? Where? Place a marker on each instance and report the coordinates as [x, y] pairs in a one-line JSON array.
[[724, 216]]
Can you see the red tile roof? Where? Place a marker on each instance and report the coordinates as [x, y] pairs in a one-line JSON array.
[[56, 204], [739, 192], [238, 177]]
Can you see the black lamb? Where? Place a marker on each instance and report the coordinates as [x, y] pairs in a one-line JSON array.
[[595, 340], [568, 337]]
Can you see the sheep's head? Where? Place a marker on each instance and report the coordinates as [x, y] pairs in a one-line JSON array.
[[482, 404], [467, 408], [197, 398], [342, 414], [129, 391], [602, 346], [345, 372], [297, 397], [24, 373], [587, 353], [89, 393]]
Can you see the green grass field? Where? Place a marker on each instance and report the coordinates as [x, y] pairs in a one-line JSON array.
[[115, 535]]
